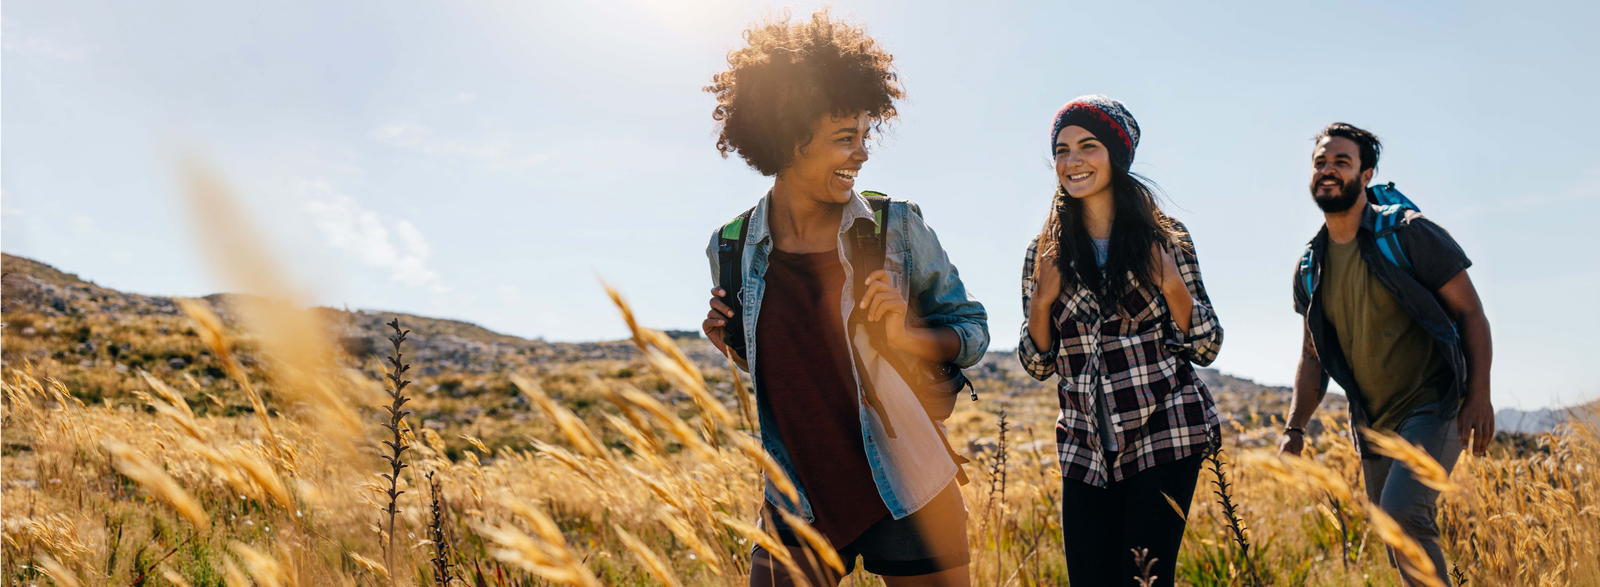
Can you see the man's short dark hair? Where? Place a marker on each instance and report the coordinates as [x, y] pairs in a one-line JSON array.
[[791, 73], [1369, 144]]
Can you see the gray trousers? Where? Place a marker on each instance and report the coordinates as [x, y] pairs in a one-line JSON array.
[[1396, 490]]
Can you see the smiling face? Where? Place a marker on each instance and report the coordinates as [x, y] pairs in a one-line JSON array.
[[1337, 180], [825, 168], [1083, 165]]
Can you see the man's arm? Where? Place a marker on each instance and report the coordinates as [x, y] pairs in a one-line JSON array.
[[1477, 413], [1308, 393]]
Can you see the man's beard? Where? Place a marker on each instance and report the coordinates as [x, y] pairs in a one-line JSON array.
[[1349, 192]]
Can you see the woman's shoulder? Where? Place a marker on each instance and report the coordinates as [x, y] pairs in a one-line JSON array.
[[1179, 231], [903, 208]]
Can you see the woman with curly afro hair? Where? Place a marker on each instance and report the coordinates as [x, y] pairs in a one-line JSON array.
[[854, 366]]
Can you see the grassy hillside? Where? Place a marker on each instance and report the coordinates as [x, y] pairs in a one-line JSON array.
[[534, 463]]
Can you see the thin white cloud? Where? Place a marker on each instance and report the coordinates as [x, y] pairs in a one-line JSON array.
[[42, 46], [82, 224], [363, 234], [498, 154], [8, 210], [509, 294]]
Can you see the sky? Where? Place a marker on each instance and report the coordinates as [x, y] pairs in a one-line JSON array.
[[493, 161]]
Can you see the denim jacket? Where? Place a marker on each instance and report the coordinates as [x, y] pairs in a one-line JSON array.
[[919, 268]]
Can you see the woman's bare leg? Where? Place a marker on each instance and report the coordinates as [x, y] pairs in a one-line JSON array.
[[766, 572]]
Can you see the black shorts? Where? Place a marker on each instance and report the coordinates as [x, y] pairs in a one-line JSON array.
[[930, 540]]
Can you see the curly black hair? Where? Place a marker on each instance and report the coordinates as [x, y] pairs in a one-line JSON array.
[[787, 76]]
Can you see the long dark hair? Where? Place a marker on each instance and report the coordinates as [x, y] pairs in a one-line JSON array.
[[1137, 224]]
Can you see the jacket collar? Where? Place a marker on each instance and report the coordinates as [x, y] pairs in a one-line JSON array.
[[1369, 218], [759, 231]]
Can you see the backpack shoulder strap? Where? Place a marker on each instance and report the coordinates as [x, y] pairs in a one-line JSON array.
[[879, 202], [1306, 281], [1387, 194], [1391, 218], [730, 251], [869, 240], [730, 272]]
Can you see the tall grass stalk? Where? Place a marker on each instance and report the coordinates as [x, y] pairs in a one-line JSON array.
[[1230, 511], [397, 444]]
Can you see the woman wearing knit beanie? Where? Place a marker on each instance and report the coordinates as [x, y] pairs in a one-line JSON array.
[[1114, 306]]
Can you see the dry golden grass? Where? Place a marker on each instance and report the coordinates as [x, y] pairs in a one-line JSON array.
[[655, 499], [646, 478]]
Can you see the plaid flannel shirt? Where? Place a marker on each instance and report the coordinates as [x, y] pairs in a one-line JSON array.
[[1140, 363]]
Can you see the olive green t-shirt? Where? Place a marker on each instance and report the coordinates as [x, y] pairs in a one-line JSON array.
[[1395, 362]]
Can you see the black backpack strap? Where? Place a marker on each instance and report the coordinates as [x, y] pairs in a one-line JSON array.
[[867, 250], [730, 277], [870, 240]]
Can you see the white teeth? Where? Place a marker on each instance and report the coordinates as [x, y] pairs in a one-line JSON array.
[[846, 173], [1079, 176]]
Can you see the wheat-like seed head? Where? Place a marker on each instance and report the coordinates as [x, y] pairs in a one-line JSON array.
[[670, 422], [818, 543], [57, 572], [577, 433], [1427, 470], [172, 576], [686, 533], [1322, 477], [134, 465], [171, 395], [1176, 509], [225, 469], [295, 339], [639, 422], [666, 357], [372, 566], [267, 572], [663, 487], [642, 445], [753, 450], [261, 473], [519, 549], [648, 558], [770, 543], [561, 455], [545, 553], [180, 416], [543, 527], [1415, 561], [232, 576]]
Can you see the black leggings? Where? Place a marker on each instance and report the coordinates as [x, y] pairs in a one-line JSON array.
[[1101, 525]]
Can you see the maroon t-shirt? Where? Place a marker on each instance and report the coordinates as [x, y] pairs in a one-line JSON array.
[[805, 375]]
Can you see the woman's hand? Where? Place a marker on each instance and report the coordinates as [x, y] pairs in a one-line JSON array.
[[1046, 290], [883, 302], [1179, 301], [717, 319], [1046, 281]]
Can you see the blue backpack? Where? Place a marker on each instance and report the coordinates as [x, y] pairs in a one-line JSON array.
[[1392, 206]]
